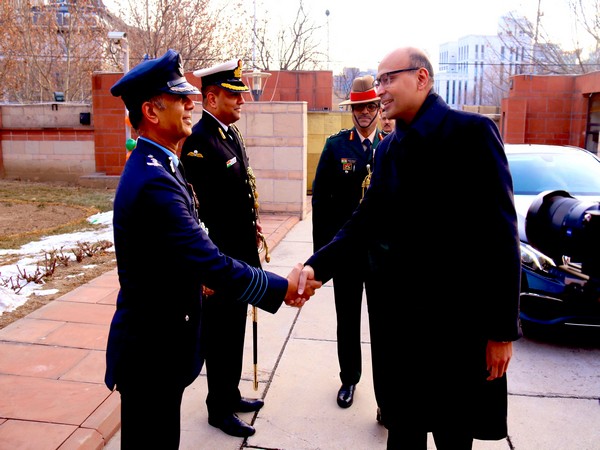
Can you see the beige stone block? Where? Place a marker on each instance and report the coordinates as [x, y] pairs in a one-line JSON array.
[[292, 125], [289, 158], [295, 175], [261, 158], [12, 149], [287, 191], [265, 191], [35, 147], [268, 174], [259, 125], [75, 149], [289, 141], [288, 107], [45, 147]]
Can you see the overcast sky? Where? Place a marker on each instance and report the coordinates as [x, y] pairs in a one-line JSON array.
[[359, 34], [360, 37]]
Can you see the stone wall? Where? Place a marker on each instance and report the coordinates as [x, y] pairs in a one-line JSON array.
[[46, 141], [284, 141]]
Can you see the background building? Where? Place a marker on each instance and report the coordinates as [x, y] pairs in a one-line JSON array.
[[476, 69]]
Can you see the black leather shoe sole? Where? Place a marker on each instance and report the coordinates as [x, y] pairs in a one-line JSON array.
[[345, 395], [233, 426]]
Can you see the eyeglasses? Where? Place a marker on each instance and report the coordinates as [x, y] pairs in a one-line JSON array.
[[385, 79], [371, 107]]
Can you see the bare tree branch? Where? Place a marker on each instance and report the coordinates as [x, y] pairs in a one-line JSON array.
[[296, 47]]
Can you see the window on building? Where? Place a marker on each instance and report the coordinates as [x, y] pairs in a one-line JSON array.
[[453, 102]]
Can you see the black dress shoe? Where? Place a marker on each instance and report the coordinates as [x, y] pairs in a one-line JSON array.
[[233, 426], [250, 404], [346, 395]]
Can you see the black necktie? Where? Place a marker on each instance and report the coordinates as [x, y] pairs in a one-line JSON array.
[[367, 145], [231, 134]]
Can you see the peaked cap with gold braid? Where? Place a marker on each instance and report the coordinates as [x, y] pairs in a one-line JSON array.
[[227, 75]]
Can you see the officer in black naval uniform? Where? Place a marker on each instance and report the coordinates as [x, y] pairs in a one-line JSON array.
[[218, 168], [340, 179], [164, 256]]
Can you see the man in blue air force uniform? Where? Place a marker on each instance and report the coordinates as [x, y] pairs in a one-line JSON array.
[[164, 257]]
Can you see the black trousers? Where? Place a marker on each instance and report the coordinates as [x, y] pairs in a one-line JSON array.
[[150, 415], [224, 329], [348, 292]]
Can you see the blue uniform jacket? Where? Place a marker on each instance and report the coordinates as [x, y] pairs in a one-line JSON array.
[[164, 257]]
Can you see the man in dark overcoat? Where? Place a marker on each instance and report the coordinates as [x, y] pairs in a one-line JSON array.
[[440, 228]]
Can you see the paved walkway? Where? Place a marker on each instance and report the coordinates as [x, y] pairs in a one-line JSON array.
[[52, 392], [52, 396]]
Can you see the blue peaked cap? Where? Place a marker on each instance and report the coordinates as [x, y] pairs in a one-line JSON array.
[[151, 77]]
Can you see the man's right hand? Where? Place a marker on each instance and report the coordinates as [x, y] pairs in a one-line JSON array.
[[296, 296], [306, 280]]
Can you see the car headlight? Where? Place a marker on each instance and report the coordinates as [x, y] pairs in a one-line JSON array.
[[535, 260]]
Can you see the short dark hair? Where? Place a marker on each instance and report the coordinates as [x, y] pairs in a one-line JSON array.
[[210, 88], [135, 109], [419, 59]]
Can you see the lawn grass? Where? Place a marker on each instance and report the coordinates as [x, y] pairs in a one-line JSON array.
[[92, 200]]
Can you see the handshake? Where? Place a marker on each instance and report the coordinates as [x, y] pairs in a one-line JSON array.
[[301, 285]]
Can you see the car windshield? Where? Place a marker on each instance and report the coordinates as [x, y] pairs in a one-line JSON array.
[[576, 173]]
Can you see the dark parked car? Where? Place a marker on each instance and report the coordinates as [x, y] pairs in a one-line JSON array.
[[557, 190]]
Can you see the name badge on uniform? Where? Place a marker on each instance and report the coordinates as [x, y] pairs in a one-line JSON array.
[[231, 162]]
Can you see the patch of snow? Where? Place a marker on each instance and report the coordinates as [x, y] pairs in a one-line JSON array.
[[34, 252]]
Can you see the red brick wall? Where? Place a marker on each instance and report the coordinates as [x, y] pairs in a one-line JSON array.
[[313, 87], [109, 122], [551, 109]]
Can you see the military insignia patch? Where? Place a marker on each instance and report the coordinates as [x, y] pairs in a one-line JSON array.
[[152, 161], [347, 164], [231, 162], [195, 154]]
